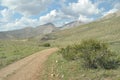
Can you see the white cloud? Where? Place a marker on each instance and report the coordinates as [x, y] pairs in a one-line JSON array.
[[110, 11], [113, 10], [18, 24], [50, 17], [27, 7], [73, 11], [54, 16], [81, 10], [6, 15], [83, 7], [117, 6], [85, 19], [24, 21], [24, 7]]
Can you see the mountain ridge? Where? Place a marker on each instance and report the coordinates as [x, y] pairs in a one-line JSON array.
[[72, 24], [28, 32]]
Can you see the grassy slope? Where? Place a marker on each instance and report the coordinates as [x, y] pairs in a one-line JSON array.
[[11, 51], [59, 69], [106, 30]]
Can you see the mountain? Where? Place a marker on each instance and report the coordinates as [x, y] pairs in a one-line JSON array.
[[72, 24], [28, 32]]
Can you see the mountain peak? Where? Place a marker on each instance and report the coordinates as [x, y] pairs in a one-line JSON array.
[[72, 24], [48, 24]]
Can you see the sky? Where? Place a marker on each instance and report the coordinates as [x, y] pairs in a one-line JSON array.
[[18, 14]]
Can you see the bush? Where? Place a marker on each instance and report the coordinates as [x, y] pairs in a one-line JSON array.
[[69, 53], [97, 55], [46, 45], [93, 54]]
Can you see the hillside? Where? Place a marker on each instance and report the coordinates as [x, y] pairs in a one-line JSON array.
[[107, 30]]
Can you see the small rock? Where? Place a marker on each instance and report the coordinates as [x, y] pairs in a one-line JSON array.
[[52, 75], [83, 75], [62, 76], [56, 61]]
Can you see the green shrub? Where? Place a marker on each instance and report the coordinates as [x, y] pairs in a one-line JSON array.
[[46, 45], [93, 54], [69, 53], [97, 55]]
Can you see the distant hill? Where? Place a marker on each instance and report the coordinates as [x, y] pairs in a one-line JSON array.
[[28, 32], [72, 24]]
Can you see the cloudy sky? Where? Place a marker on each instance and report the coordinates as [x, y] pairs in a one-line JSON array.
[[17, 14]]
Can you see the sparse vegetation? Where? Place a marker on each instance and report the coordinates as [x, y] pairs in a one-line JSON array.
[[93, 54], [97, 55], [69, 53], [46, 45], [58, 68], [69, 63]]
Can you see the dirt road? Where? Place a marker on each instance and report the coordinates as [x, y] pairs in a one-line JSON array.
[[28, 68]]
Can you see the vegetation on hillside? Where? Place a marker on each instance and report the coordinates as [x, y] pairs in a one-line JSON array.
[[93, 54], [11, 51], [88, 60], [104, 30], [58, 68], [46, 45]]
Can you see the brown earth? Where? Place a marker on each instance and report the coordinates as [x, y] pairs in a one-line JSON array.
[[28, 68]]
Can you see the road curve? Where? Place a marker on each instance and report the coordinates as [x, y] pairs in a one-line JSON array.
[[28, 68]]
